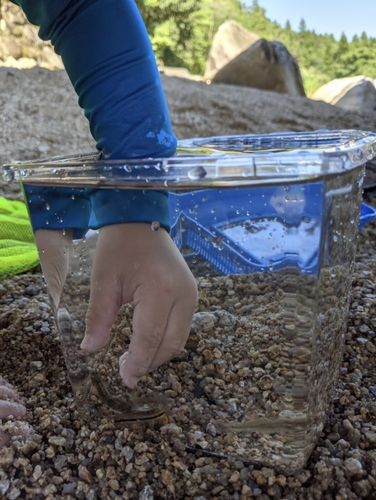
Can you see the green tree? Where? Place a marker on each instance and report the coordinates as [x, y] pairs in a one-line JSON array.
[[182, 33], [169, 24]]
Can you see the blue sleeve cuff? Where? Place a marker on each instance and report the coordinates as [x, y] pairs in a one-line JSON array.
[[125, 206], [83, 209]]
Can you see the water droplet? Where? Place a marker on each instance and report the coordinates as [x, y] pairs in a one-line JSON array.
[[197, 173], [53, 170], [335, 237], [73, 197], [47, 222], [63, 232], [212, 210], [155, 225], [47, 206]]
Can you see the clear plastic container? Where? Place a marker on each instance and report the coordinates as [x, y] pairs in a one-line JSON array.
[[268, 226]]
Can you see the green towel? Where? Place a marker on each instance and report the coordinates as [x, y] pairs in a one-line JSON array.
[[18, 252]]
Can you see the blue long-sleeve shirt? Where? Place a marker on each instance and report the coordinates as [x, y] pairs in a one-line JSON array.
[[107, 54]]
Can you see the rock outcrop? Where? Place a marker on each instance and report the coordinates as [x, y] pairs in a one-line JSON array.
[[353, 93], [266, 66]]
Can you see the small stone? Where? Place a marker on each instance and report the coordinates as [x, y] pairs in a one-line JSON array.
[[13, 494], [142, 459], [69, 488], [37, 472], [347, 425], [281, 480], [353, 466], [111, 473], [50, 452], [234, 478], [303, 476], [141, 447], [371, 437], [146, 493], [246, 490], [85, 474], [179, 464], [100, 474], [57, 440], [4, 486], [172, 429], [371, 347], [363, 488], [203, 322], [127, 453], [266, 472], [114, 484], [166, 477]]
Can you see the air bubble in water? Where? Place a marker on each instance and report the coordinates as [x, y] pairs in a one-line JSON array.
[[155, 225], [197, 173]]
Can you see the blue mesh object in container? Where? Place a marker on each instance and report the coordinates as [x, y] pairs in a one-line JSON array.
[[249, 230], [367, 214]]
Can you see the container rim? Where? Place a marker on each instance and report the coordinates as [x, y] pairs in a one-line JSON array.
[[217, 161]]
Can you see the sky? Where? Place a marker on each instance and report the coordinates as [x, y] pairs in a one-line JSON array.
[[324, 16]]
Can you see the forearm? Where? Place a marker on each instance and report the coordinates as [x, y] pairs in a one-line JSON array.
[[108, 57]]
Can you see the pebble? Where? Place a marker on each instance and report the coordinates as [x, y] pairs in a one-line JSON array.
[[353, 466], [371, 437]]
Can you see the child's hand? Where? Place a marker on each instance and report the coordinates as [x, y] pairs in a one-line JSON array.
[[134, 263]]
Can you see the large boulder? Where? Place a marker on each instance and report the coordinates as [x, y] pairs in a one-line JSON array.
[[266, 66], [229, 41], [353, 93]]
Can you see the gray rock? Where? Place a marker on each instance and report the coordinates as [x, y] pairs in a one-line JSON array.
[[229, 41], [266, 66], [353, 466], [354, 93], [203, 322]]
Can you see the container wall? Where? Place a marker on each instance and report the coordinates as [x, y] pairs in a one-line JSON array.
[[273, 268]]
